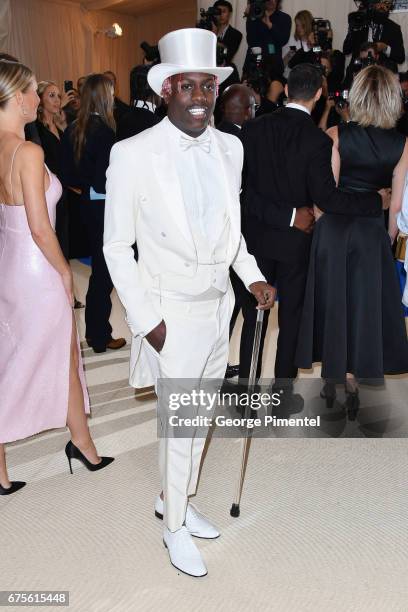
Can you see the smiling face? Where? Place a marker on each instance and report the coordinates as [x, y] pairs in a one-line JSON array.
[[192, 101], [51, 99]]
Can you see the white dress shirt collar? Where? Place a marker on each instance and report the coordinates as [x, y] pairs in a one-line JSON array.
[[147, 105], [298, 107], [177, 133]]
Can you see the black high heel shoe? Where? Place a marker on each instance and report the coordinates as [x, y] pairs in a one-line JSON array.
[[15, 486], [328, 393], [72, 452], [352, 404]]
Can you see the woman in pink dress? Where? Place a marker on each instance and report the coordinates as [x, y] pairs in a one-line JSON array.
[[42, 383]]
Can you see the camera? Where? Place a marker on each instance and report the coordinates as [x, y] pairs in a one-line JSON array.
[[222, 54], [322, 30], [256, 9], [68, 86], [151, 52], [340, 98], [255, 75], [208, 18], [360, 20], [361, 63]]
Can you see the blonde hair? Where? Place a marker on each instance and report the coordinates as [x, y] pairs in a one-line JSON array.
[[41, 89], [306, 21], [375, 98], [14, 77]]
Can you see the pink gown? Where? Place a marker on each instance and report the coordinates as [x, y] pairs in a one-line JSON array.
[[35, 330]]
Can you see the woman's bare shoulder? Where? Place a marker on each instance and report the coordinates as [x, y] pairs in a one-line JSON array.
[[31, 151]]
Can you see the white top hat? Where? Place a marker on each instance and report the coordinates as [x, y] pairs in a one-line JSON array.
[[186, 50]]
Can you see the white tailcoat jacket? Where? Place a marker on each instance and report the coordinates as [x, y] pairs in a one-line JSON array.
[[144, 204]]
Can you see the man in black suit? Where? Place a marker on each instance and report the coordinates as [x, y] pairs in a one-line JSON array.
[[228, 36], [237, 105], [379, 29], [288, 169], [141, 114]]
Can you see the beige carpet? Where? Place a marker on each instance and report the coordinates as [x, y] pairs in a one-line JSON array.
[[323, 523]]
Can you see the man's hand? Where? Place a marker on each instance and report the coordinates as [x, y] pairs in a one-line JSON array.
[[382, 47], [343, 112], [304, 219], [157, 337], [264, 293], [386, 198]]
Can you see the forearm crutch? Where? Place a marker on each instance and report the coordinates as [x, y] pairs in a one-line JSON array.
[[246, 440]]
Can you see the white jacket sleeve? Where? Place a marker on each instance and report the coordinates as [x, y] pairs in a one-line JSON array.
[[119, 236], [245, 266]]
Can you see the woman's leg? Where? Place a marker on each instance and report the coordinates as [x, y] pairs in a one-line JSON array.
[[77, 420], [4, 480]]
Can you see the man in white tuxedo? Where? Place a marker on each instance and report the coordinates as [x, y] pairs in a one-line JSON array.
[[174, 190]]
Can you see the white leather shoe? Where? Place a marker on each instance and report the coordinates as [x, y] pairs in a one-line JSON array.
[[184, 554], [197, 524]]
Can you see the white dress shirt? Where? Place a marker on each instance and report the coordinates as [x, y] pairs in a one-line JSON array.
[[201, 184], [203, 188], [145, 104]]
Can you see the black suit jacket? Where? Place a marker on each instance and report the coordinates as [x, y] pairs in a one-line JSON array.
[[119, 109], [135, 121], [231, 39], [287, 166], [230, 128], [91, 169], [391, 36]]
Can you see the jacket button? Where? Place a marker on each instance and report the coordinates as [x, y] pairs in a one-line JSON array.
[[163, 234], [187, 265]]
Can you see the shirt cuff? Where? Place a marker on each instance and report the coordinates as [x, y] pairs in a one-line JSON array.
[[293, 218], [388, 51]]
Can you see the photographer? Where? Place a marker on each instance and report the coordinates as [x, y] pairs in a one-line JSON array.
[[371, 23], [228, 36], [302, 39], [328, 110], [311, 36], [369, 54], [267, 27], [264, 78]]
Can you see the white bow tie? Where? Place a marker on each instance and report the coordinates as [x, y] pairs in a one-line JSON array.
[[203, 143]]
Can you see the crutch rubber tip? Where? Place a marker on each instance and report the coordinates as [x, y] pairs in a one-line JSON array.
[[234, 510]]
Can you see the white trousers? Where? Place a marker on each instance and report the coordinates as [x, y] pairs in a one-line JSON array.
[[196, 347]]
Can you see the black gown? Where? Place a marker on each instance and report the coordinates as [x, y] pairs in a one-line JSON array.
[[352, 318]]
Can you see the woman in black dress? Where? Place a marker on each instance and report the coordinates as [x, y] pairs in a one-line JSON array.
[[352, 318], [50, 127]]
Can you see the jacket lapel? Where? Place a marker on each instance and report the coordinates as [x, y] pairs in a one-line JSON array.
[[226, 161], [168, 183]]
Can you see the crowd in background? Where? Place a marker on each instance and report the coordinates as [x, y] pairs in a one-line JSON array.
[[77, 126]]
